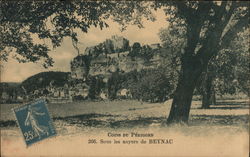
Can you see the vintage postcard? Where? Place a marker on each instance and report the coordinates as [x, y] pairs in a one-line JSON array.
[[124, 78]]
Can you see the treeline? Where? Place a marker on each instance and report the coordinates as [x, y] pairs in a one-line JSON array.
[[151, 85], [9, 92], [45, 79]]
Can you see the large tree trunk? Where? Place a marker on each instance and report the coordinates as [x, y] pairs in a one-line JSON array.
[[208, 93], [208, 98], [190, 73], [199, 51]]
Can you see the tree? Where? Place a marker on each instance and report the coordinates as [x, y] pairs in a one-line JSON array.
[[207, 88], [227, 73], [220, 76], [209, 27], [114, 84], [135, 50], [45, 79], [24, 21], [147, 53], [242, 68], [154, 85], [174, 41], [96, 85]]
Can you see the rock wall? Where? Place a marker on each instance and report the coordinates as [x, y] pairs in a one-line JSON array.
[[110, 56]]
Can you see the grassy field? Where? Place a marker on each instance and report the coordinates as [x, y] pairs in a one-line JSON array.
[[131, 113], [222, 130]]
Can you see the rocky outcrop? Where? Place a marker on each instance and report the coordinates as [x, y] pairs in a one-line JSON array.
[[112, 55]]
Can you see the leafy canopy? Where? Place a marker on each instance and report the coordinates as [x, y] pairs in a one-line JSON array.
[[209, 26], [23, 23]]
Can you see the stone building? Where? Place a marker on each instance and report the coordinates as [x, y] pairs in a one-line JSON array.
[[119, 43], [155, 46]]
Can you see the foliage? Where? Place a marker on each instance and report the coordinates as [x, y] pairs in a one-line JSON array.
[[173, 41], [23, 23], [135, 49], [153, 85], [231, 66], [96, 85], [83, 61], [229, 69], [210, 27], [10, 88], [45, 79], [114, 84], [145, 51]]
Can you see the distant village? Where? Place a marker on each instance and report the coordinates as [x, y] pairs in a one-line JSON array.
[[98, 63]]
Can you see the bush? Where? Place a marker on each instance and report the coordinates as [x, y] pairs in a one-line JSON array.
[[152, 85], [96, 85]]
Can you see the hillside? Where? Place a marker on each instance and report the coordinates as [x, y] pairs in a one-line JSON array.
[[43, 79]]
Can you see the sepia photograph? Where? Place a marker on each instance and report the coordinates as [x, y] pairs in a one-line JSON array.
[[123, 78]]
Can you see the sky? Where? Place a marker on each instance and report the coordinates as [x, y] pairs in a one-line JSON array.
[[13, 71]]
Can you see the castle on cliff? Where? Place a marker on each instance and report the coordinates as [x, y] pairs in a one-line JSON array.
[[112, 55]]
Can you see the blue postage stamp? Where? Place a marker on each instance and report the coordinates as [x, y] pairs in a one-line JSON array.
[[34, 121]]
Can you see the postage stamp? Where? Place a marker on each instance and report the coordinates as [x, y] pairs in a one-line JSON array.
[[34, 121]]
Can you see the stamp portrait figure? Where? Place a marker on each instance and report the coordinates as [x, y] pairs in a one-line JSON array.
[[31, 120]]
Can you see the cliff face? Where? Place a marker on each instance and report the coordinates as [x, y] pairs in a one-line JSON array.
[[106, 65], [113, 55]]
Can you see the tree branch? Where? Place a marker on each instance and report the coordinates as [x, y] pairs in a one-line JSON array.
[[215, 41], [229, 14], [183, 10], [232, 33]]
